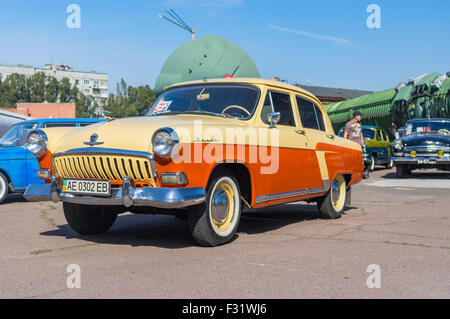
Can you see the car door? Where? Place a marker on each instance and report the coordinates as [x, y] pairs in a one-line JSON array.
[[292, 171], [387, 146], [381, 147], [320, 144]]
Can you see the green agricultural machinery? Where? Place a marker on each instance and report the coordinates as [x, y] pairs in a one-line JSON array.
[[427, 96]]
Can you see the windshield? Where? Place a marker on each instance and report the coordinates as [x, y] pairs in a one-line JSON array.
[[17, 135], [427, 127], [237, 101], [368, 133]]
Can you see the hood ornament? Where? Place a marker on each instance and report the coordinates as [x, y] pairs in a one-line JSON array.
[[93, 140]]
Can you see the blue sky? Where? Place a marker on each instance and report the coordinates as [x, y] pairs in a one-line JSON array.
[[321, 42]]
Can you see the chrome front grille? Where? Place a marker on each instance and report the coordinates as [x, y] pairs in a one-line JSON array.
[[104, 166], [427, 151]]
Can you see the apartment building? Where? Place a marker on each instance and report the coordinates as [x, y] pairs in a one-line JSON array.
[[90, 83]]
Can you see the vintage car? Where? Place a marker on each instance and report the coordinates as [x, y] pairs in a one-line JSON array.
[[378, 148], [206, 149], [18, 166], [425, 144]]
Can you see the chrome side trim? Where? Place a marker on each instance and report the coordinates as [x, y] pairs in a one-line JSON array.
[[271, 197]]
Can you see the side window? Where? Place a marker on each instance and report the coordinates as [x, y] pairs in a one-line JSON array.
[[310, 115], [278, 102], [86, 124], [385, 136], [320, 118], [379, 138]]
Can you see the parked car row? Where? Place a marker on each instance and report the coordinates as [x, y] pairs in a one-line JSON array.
[[181, 159]]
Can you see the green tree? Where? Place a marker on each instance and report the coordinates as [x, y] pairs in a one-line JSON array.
[[65, 91], [37, 86], [52, 90], [129, 100]]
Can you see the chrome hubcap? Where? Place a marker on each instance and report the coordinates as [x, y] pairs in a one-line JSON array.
[[220, 206], [335, 192]]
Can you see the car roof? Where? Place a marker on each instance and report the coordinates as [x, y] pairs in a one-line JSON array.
[[269, 82], [429, 120]]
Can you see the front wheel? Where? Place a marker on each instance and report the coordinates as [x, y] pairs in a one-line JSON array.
[[390, 165], [401, 171], [88, 220], [4, 187], [215, 222], [332, 205], [372, 163]]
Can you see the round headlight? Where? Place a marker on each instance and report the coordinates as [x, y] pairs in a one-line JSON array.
[[164, 141], [37, 143], [398, 145]]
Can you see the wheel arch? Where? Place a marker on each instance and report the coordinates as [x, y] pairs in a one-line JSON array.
[[241, 173]]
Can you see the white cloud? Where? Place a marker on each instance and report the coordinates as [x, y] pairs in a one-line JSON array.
[[312, 35]]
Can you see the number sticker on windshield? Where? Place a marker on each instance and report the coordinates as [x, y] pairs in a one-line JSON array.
[[161, 107]]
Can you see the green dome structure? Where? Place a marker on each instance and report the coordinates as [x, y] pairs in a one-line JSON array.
[[210, 56]]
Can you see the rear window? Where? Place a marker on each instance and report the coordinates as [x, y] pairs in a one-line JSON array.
[[49, 125]]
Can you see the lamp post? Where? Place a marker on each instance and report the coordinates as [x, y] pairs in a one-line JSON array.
[[175, 19]]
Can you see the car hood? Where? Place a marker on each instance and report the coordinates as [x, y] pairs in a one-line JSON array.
[[135, 133], [432, 139]]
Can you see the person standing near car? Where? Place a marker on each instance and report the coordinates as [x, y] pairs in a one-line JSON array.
[[353, 129]]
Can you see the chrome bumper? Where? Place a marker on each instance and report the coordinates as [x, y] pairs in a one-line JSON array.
[[422, 160], [168, 198]]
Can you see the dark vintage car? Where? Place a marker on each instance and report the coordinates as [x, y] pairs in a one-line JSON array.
[[425, 144]]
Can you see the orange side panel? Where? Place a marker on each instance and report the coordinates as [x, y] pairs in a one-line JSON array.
[[343, 160]]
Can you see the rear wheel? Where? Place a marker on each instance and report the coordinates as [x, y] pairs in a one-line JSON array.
[[88, 220], [215, 222], [332, 205], [390, 165], [4, 188]]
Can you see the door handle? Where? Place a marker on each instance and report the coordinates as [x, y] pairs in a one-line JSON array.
[[330, 136], [301, 132]]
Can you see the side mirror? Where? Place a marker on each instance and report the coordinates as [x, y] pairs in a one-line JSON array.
[[274, 118], [105, 116]]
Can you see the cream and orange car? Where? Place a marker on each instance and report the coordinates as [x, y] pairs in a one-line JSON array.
[[206, 149]]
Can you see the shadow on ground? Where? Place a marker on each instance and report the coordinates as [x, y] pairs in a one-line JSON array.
[[173, 233], [14, 198]]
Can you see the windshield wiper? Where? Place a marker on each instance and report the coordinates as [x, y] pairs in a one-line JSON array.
[[205, 113]]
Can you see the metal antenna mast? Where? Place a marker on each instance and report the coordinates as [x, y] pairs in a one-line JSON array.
[[175, 19]]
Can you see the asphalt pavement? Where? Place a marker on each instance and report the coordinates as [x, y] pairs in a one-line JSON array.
[[395, 239]]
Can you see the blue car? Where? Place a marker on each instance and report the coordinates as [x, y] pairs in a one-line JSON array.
[[18, 167]]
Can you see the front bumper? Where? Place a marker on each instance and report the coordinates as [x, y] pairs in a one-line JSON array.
[[167, 198], [422, 161]]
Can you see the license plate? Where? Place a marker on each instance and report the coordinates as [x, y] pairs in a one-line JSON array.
[[86, 187], [426, 161]]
